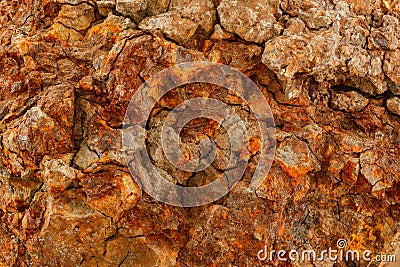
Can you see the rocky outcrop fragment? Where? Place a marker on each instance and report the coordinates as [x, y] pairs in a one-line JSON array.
[[172, 25], [393, 105], [201, 12], [135, 9], [78, 17], [253, 21], [348, 101], [296, 158]]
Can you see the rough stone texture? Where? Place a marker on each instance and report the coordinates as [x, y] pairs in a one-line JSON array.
[[393, 105], [296, 158], [201, 12], [253, 21], [136, 9], [78, 17], [348, 101], [172, 24], [330, 70]]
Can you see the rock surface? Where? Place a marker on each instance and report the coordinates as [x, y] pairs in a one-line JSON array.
[[172, 24], [393, 105], [253, 21], [330, 71], [348, 101]]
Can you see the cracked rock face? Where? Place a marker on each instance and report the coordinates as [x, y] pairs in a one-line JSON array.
[[348, 101], [393, 105], [296, 158], [330, 71], [172, 24]]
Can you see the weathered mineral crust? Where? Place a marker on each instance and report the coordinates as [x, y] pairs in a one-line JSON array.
[[329, 69]]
